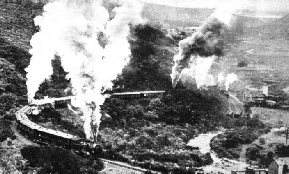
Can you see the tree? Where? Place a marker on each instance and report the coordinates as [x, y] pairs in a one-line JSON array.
[[57, 84], [149, 67]]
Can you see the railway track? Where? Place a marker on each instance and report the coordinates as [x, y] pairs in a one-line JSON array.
[[35, 134], [115, 167], [235, 105]]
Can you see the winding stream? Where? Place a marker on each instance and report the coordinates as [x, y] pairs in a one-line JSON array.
[[222, 165]]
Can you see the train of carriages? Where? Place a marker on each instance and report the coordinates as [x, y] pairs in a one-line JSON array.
[[47, 136], [51, 137]]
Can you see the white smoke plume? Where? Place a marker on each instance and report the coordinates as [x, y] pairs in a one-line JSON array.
[[230, 78], [197, 53], [221, 78], [206, 43], [93, 48], [226, 81], [200, 70]]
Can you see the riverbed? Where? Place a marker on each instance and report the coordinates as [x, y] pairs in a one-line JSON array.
[[222, 165]]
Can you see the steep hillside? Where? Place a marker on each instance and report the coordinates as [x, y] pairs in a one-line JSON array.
[[243, 25], [16, 22], [12, 87], [16, 30]]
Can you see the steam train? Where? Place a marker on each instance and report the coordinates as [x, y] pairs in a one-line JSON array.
[[138, 94], [50, 137], [223, 91]]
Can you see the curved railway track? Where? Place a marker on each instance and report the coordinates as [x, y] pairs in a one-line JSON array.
[[235, 105], [31, 133]]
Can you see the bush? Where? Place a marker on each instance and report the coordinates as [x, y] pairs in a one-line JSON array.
[[163, 140], [144, 142], [228, 144], [262, 141], [253, 153], [7, 102], [242, 64], [6, 131], [282, 150], [89, 165], [51, 160]]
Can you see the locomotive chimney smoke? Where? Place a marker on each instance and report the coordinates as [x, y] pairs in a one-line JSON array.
[[226, 81], [230, 78], [206, 42], [221, 78], [72, 29]]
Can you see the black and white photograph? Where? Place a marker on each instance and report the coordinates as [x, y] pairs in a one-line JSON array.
[[144, 87]]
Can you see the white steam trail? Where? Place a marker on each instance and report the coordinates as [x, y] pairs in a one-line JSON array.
[[71, 29], [200, 67], [230, 78], [200, 70]]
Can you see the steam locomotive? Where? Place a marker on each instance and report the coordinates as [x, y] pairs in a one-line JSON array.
[[223, 91], [51, 137]]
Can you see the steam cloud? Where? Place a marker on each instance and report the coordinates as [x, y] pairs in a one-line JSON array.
[[202, 49], [208, 41], [93, 46]]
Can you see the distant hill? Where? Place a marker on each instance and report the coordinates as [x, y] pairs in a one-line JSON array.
[[174, 17], [243, 24], [278, 29]]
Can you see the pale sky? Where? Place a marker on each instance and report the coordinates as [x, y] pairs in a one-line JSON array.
[[272, 6]]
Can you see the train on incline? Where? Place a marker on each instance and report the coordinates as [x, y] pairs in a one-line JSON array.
[[45, 136]]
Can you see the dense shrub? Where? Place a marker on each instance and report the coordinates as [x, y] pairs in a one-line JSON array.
[[229, 143], [242, 64], [282, 150], [17, 56], [262, 141], [7, 102], [5, 130], [89, 165], [57, 84], [144, 142], [253, 153], [52, 160]]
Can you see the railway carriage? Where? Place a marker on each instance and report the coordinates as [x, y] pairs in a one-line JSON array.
[[51, 137]]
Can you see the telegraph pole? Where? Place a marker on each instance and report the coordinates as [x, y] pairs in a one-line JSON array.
[[286, 134]]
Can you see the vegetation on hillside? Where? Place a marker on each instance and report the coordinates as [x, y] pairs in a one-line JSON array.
[[151, 61], [57, 85], [151, 133], [12, 95], [55, 160], [229, 144]]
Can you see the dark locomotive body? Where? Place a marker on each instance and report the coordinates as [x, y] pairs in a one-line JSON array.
[[51, 137]]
